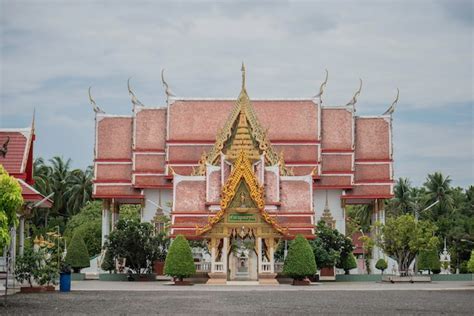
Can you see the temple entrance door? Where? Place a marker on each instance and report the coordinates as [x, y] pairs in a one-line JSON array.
[[243, 260]]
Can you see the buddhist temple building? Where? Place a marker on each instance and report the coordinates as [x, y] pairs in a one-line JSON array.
[[16, 157], [241, 173]]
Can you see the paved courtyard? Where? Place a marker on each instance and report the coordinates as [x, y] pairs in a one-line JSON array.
[[330, 298]]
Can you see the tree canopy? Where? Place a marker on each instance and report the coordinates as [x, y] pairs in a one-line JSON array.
[[403, 237], [135, 242], [10, 202], [330, 246]]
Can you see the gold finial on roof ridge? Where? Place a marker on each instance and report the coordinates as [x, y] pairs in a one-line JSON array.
[[243, 75]]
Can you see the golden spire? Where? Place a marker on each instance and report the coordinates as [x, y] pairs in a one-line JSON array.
[[243, 76], [242, 171]]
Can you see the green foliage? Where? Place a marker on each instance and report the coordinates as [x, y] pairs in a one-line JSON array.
[[429, 260], [88, 223], [330, 246], [368, 244], [300, 262], [179, 261], [381, 265], [72, 189], [348, 263], [403, 238], [10, 202], [77, 255], [27, 266], [470, 263], [135, 242], [39, 266], [108, 264]]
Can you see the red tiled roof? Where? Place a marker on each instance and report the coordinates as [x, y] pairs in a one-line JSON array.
[[30, 194], [15, 160]]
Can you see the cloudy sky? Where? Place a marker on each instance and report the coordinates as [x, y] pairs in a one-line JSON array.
[[51, 52]]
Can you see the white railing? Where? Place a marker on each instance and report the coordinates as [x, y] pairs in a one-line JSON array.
[[219, 267], [202, 266], [266, 267], [278, 267]]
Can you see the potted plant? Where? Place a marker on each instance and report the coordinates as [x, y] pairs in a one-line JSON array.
[[300, 263], [27, 270], [162, 243], [77, 256], [65, 278], [179, 262]]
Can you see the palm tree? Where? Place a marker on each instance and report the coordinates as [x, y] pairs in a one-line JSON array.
[[59, 183], [438, 187], [363, 216], [79, 191], [401, 203]]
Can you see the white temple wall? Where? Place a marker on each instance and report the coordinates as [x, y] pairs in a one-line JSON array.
[[162, 197], [334, 202]]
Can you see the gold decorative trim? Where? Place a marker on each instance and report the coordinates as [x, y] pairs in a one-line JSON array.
[[244, 106], [242, 170]]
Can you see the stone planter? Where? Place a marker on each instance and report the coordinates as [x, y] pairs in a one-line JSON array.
[[158, 267], [301, 282], [184, 282], [32, 289]]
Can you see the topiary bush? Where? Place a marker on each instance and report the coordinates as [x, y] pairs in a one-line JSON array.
[[429, 260], [381, 265], [179, 261], [77, 255], [348, 263], [470, 263], [108, 264], [300, 263]]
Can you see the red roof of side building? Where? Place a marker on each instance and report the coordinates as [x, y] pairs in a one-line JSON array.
[[18, 149], [18, 161]]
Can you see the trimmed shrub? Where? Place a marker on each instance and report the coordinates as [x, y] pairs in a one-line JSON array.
[[429, 260], [348, 263], [300, 262], [108, 264], [470, 264], [77, 255], [179, 261], [381, 265]]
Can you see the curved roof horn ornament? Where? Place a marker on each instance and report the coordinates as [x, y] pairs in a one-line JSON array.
[[168, 92], [95, 107], [135, 100], [353, 101], [321, 88], [391, 109]]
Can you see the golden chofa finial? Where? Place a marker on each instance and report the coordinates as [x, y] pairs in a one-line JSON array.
[[243, 75]]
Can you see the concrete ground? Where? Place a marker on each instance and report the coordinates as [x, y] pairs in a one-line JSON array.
[[107, 298]]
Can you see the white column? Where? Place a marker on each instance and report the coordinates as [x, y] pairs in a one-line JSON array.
[[213, 257], [259, 246], [105, 221], [115, 214], [224, 254], [21, 247], [272, 260], [12, 248]]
